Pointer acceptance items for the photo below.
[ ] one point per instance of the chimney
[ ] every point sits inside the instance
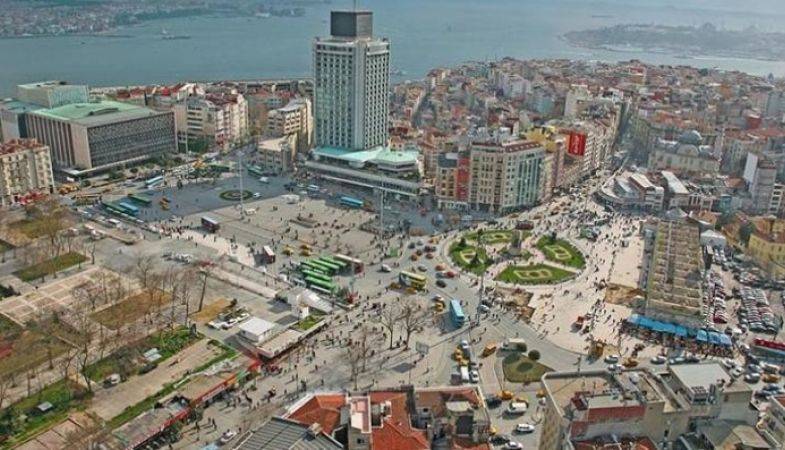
(314, 430)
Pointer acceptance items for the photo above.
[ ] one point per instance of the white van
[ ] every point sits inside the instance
(464, 374)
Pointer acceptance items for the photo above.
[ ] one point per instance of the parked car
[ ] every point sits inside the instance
(524, 428)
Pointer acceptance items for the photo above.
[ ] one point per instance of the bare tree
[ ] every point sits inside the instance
(6, 383)
(388, 318)
(88, 331)
(90, 437)
(143, 268)
(413, 317)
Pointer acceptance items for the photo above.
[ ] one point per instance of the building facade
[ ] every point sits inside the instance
(216, 120)
(352, 83)
(25, 168)
(86, 138)
(505, 175)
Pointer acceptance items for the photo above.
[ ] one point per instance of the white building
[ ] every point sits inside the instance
(352, 78)
(217, 119)
(293, 119)
(25, 167)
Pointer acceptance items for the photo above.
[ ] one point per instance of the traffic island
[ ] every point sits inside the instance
(534, 274)
(235, 195)
(519, 368)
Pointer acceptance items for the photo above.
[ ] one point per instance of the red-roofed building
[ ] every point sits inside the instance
(399, 419)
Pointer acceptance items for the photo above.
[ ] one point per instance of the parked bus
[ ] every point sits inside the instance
(456, 313)
(256, 171)
(342, 266)
(141, 199)
(129, 208)
(351, 202)
(210, 224)
(268, 256)
(311, 266)
(353, 263)
(316, 275)
(154, 182)
(326, 285)
(326, 262)
(114, 209)
(413, 280)
(324, 267)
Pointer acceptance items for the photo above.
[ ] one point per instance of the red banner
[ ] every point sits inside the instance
(577, 144)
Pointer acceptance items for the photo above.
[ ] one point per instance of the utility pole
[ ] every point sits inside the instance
(381, 220)
(240, 174)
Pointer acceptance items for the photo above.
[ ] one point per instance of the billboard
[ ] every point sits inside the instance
(577, 145)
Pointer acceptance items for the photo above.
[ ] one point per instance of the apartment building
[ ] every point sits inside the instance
(693, 406)
(672, 276)
(292, 119)
(215, 120)
(506, 175)
(25, 168)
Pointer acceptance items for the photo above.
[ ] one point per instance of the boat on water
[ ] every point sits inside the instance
(173, 37)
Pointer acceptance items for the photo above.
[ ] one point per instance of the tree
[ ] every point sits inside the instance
(534, 355)
(745, 231)
(87, 329)
(360, 350)
(413, 317)
(388, 318)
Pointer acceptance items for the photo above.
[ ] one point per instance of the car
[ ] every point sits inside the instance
(524, 428)
(257, 194)
(512, 445)
(227, 436)
(422, 268)
(493, 401)
(615, 368)
(659, 359)
(385, 268)
(500, 439)
(441, 283)
(429, 255)
(517, 408)
(505, 395)
(474, 376)
(611, 359)
(752, 378)
(465, 345)
(450, 274)
(216, 324)
(483, 309)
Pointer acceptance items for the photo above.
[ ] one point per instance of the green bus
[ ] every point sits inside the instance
(316, 275)
(313, 267)
(328, 286)
(329, 270)
(141, 199)
(328, 263)
(256, 171)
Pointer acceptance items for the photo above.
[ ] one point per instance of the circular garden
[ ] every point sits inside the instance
(235, 195)
(555, 259)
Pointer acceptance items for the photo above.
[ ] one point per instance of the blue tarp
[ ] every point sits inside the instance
(678, 330)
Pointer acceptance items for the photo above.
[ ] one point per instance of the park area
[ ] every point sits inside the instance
(561, 252)
(468, 257)
(520, 368)
(23, 349)
(130, 360)
(132, 308)
(51, 266)
(28, 417)
(534, 274)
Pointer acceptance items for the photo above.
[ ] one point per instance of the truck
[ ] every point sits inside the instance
(515, 344)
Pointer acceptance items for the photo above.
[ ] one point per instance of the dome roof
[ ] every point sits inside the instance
(691, 137)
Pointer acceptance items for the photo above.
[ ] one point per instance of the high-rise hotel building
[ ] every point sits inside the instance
(352, 82)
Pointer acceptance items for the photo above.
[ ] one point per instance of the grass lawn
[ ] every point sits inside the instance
(36, 228)
(464, 258)
(131, 309)
(309, 322)
(127, 361)
(64, 397)
(50, 267)
(562, 252)
(33, 346)
(518, 368)
(534, 274)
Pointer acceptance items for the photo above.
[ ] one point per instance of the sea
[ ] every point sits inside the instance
(424, 34)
